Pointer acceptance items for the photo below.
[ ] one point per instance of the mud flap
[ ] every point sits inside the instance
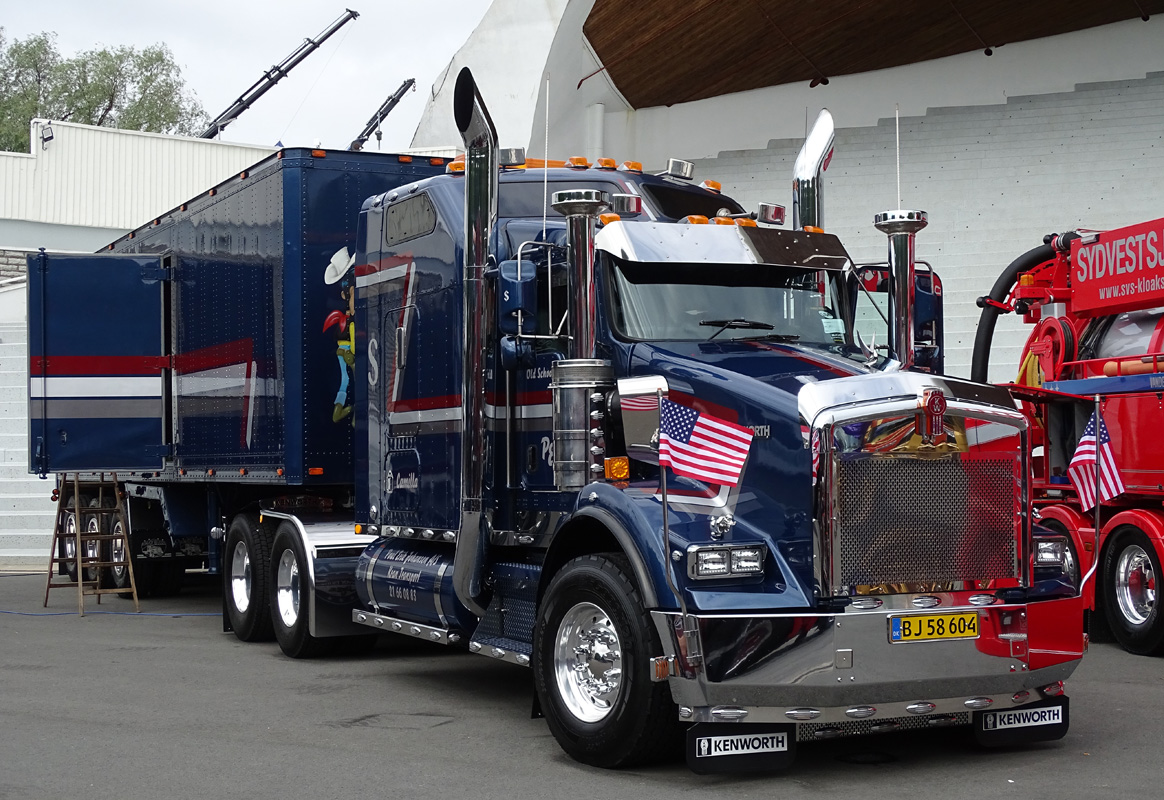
(736, 748)
(1044, 721)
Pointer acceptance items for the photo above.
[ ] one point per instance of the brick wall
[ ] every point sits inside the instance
(12, 264)
(994, 180)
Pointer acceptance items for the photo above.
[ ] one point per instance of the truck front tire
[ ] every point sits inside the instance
(592, 645)
(248, 567)
(1131, 570)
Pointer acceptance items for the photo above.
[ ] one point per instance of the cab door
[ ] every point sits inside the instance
(99, 371)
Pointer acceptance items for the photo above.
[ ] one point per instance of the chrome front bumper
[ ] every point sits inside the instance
(760, 668)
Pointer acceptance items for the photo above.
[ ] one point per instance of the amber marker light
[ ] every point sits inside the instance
(695, 219)
(711, 186)
(359, 528)
(436, 161)
(608, 218)
(577, 162)
(455, 167)
(279, 472)
(243, 175)
(606, 163)
(813, 229)
(722, 220)
(404, 159)
(744, 222)
(631, 166)
(318, 153)
(315, 471)
(617, 468)
(210, 472)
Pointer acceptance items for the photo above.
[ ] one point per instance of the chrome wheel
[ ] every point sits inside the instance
(240, 577)
(1135, 584)
(117, 553)
(287, 588)
(588, 662)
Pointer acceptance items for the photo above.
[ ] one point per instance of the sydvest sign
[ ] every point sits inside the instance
(1118, 270)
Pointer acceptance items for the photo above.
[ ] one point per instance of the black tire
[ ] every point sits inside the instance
(90, 549)
(245, 578)
(1131, 570)
(290, 586)
(593, 603)
(116, 550)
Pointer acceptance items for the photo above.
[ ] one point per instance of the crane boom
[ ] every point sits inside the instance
(273, 76)
(378, 117)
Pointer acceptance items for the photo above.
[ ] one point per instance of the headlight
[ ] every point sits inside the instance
(724, 561)
(1050, 552)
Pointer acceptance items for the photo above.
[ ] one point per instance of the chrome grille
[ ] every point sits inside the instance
(908, 520)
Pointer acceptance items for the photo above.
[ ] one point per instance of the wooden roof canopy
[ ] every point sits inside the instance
(659, 52)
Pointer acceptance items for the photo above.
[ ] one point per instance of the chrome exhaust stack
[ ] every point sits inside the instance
(901, 227)
(808, 173)
(579, 383)
(478, 312)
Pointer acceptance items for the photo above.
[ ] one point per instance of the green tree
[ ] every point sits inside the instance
(118, 87)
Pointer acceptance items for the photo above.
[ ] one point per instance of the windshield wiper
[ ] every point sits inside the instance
(724, 324)
(774, 337)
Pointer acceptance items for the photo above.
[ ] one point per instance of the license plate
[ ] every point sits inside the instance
(931, 627)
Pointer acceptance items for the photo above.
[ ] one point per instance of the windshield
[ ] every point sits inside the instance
(723, 301)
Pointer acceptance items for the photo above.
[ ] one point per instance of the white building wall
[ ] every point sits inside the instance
(994, 180)
(102, 179)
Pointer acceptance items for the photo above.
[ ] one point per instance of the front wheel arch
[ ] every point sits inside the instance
(592, 531)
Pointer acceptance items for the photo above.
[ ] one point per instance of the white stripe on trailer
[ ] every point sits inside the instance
(122, 386)
(383, 275)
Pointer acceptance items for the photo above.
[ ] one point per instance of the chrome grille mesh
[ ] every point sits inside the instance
(903, 520)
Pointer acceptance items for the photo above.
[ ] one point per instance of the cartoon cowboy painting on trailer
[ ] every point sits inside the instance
(339, 270)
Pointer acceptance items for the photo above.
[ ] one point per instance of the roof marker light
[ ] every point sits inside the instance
(577, 162)
(318, 153)
(745, 222)
(455, 167)
(436, 161)
(694, 219)
(722, 220)
(711, 186)
(606, 163)
(631, 166)
(813, 229)
(404, 159)
(608, 218)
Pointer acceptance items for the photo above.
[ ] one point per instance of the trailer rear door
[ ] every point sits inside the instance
(99, 376)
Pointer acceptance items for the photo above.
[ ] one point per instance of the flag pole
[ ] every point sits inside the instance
(666, 523)
(1098, 501)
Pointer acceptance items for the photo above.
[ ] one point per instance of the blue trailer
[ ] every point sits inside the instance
(605, 425)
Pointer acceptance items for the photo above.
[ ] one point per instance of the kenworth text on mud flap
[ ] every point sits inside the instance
(870, 566)
(1095, 300)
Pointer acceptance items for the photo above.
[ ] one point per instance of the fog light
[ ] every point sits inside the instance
(750, 560)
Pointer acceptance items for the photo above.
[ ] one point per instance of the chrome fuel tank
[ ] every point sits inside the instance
(411, 580)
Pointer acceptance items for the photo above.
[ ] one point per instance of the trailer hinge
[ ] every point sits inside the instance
(156, 272)
(160, 451)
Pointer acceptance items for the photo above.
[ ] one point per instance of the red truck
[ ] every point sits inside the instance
(1095, 300)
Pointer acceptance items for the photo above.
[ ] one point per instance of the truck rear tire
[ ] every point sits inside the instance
(289, 596)
(592, 645)
(1131, 570)
(245, 579)
(89, 548)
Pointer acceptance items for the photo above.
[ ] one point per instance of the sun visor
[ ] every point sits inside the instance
(721, 244)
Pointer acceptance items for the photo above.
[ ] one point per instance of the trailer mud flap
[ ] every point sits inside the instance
(737, 748)
(1044, 721)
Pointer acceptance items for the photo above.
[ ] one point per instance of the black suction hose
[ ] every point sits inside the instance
(1052, 243)
(983, 339)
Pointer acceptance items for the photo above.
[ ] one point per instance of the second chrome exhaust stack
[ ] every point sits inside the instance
(808, 173)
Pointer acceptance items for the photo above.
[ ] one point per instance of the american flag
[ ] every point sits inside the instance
(1082, 467)
(701, 446)
(645, 402)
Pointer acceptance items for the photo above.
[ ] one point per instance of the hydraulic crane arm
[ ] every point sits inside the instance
(273, 76)
(378, 117)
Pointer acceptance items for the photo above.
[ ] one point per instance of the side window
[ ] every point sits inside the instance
(409, 219)
(871, 309)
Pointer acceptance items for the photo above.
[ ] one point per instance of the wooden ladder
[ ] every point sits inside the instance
(109, 507)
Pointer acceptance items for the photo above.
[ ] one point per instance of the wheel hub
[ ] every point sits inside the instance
(588, 662)
(1135, 588)
(240, 578)
(287, 588)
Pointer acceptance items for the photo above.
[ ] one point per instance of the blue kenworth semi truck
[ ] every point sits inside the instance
(595, 423)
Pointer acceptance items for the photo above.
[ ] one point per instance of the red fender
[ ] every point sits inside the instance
(1150, 522)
